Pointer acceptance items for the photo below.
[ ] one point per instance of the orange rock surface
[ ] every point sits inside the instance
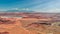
(14, 27)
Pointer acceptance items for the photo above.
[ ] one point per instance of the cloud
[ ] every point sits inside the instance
(56, 10)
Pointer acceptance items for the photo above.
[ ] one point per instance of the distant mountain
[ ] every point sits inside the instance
(18, 11)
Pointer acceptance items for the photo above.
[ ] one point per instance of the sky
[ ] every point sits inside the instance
(34, 5)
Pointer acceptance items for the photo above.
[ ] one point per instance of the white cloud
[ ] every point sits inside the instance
(56, 10)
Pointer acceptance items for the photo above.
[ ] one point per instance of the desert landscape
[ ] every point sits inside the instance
(29, 23)
(29, 16)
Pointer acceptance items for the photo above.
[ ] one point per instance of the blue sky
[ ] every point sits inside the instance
(35, 5)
